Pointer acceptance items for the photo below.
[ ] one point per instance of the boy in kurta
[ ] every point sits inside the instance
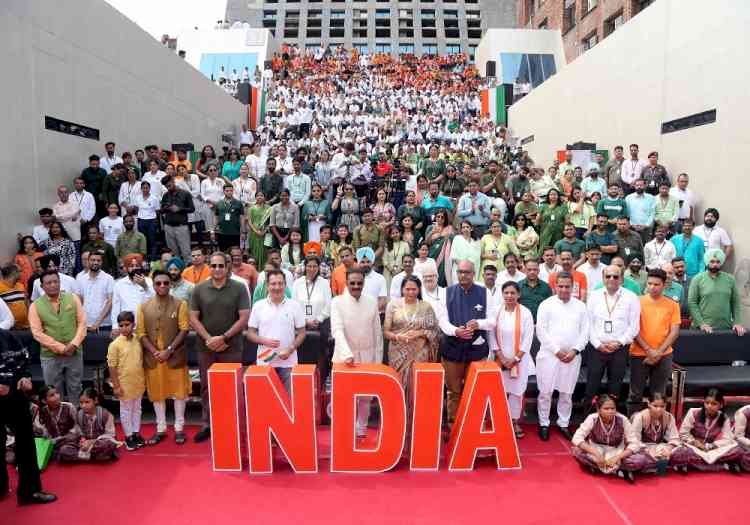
(125, 361)
(163, 325)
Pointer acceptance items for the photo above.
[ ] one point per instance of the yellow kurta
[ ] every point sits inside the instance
(126, 356)
(162, 381)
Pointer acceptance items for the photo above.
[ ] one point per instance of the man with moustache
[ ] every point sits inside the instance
(713, 298)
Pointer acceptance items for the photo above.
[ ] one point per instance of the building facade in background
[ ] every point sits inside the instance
(583, 23)
(378, 26)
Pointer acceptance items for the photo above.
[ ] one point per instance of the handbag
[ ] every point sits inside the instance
(44, 449)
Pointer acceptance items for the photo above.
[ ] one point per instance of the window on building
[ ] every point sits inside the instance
(291, 33)
(452, 33)
(474, 33)
(406, 49)
(314, 13)
(312, 45)
(590, 41)
(452, 49)
(428, 13)
(471, 1)
(429, 49)
(382, 13)
(589, 5)
(428, 22)
(613, 23)
(406, 23)
(382, 47)
(429, 33)
(337, 32)
(269, 13)
(360, 13)
(450, 13)
(361, 48)
(313, 32)
(383, 22)
(450, 22)
(406, 33)
(474, 24)
(530, 10)
(472, 52)
(405, 13)
(382, 33)
(269, 24)
(339, 13)
(360, 33)
(473, 15)
(569, 15)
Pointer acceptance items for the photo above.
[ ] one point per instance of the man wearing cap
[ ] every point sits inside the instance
(179, 288)
(713, 298)
(593, 184)
(375, 284)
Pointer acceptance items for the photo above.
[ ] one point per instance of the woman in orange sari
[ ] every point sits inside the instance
(28, 252)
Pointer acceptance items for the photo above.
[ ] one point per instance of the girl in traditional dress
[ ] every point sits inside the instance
(551, 219)
(495, 244)
(465, 248)
(412, 329)
(409, 235)
(384, 212)
(656, 431)
(605, 440)
(258, 219)
(514, 333)
(60, 244)
(348, 206)
(438, 237)
(56, 419)
(526, 238)
(343, 238)
(292, 253)
(314, 213)
(96, 437)
(422, 260)
(707, 441)
(28, 252)
(742, 435)
(395, 249)
(433, 167)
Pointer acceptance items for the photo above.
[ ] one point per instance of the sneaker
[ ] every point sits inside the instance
(139, 441)
(130, 444)
(202, 435)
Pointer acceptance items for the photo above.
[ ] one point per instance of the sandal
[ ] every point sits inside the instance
(156, 439)
(180, 438)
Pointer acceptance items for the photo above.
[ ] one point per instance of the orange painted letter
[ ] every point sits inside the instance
(224, 399)
(349, 384)
(483, 390)
(427, 416)
(270, 411)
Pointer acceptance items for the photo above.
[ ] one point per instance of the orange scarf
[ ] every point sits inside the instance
(516, 337)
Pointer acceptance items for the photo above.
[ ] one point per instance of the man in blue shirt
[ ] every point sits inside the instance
(602, 237)
(475, 207)
(642, 208)
(690, 247)
(435, 201)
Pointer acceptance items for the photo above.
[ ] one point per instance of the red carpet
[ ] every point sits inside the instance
(168, 484)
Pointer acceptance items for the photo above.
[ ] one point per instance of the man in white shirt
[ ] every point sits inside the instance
(85, 201)
(431, 292)
(40, 232)
(96, 288)
(548, 265)
(632, 169)
(614, 321)
(375, 285)
(132, 291)
(68, 214)
(713, 236)
(658, 251)
(110, 159)
(563, 332)
(407, 262)
(246, 137)
(489, 281)
(67, 283)
(357, 335)
(274, 257)
(511, 272)
(277, 326)
(592, 269)
(685, 199)
(154, 177)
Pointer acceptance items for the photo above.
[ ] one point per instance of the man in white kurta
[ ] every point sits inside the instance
(513, 355)
(358, 339)
(562, 329)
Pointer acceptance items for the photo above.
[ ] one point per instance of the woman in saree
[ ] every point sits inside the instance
(412, 329)
(433, 167)
(258, 218)
(395, 249)
(409, 235)
(438, 237)
(526, 238)
(465, 248)
(551, 219)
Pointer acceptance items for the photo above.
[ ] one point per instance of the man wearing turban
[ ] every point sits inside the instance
(375, 285)
(179, 288)
(713, 298)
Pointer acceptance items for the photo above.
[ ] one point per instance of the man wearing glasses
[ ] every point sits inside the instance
(614, 315)
(219, 311)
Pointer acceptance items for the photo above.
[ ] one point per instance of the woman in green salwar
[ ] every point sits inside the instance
(258, 217)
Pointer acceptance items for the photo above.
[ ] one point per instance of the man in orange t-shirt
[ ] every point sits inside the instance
(13, 292)
(580, 286)
(338, 275)
(199, 271)
(651, 351)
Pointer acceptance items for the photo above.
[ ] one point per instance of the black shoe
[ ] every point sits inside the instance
(180, 438)
(130, 444)
(139, 441)
(202, 435)
(735, 468)
(156, 439)
(544, 433)
(626, 475)
(38, 498)
(565, 433)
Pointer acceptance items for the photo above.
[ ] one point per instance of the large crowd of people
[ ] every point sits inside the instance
(375, 216)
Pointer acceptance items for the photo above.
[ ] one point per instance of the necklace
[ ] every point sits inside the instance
(414, 309)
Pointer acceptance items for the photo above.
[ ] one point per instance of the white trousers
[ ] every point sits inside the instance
(515, 403)
(363, 414)
(130, 416)
(564, 408)
(160, 407)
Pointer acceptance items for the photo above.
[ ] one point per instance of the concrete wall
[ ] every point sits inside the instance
(670, 61)
(84, 62)
(496, 41)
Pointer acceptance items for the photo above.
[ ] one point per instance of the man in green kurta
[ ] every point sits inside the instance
(713, 298)
(533, 289)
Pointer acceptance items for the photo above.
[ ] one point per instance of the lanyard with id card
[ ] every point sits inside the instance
(608, 325)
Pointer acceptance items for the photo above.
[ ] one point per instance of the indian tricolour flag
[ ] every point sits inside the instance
(257, 109)
(493, 104)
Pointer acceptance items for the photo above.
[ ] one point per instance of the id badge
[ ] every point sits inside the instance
(227, 217)
(627, 251)
(607, 327)
(308, 309)
(552, 217)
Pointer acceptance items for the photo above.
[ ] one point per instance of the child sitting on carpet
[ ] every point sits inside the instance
(56, 419)
(656, 431)
(125, 361)
(707, 440)
(96, 436)
(742, 435)
(605, 441)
